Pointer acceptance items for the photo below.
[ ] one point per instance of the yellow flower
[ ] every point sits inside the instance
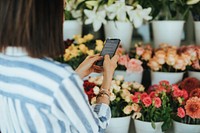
(80, 40)
(76, 37)
(88, 37)
(99, 45)
(90, 52)
(67, 55)
(83, 48)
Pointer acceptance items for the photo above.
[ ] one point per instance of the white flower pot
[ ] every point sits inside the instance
(137, 77)
(146, 127)
(121, 30)
(172, 77)
(194, 74)
(119, 125)
(185, 128)
(197, 31)
(71, 28)
(169, 32)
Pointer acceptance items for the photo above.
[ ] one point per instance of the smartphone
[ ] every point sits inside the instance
(109, 48)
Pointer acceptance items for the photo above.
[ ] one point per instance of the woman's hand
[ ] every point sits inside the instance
(109, 66)
(88, 66)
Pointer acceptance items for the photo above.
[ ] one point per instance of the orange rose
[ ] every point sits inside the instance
(153, 64)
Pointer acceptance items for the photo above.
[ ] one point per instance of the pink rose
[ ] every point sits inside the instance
(147, 101)
(157, 102)
(152, 94)
(176, 91)
(185, 94)
(196, 65)
(134, 65)
(139, 51)
(123, 60)
(143, 95)
(181, 112)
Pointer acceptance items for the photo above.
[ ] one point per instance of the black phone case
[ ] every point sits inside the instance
(108, 49)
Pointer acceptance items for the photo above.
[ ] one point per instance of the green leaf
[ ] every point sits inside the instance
(153, 125)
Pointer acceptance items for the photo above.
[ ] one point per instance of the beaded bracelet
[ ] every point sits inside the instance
(103, 93)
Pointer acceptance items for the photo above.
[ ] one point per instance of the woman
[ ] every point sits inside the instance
(38, 94)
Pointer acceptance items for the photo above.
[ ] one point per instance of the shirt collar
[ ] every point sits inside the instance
(15, 51)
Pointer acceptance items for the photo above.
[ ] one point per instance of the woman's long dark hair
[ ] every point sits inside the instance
(35, 25)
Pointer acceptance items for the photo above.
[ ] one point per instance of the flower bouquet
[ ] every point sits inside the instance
(185, 103)
(153, 106)
(121, 93)
(167, 64)
(130, 68)
(101, 11)
(79, 48)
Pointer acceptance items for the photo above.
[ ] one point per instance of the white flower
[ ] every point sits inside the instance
(96, 18)
(118, 10)
(76, 13)
(112, 97)
(127, 110)
(138, 15)
(136, 115)
(192, 2)
(96, 90)
(93, 100)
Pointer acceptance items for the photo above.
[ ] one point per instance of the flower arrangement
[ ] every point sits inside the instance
(153, 106)
(121, 93)
(194, 8)
(74, 9)
(167, 59)
(192, 54)
(186, 104)
(142, 52)
(125, 62)
(79, 48)
(101, 11)
(167, 9)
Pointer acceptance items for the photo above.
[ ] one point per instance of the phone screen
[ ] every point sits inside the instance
(109, 48)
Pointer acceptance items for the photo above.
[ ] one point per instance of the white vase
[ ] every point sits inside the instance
(185, 128)
(119, 125)
(137, 77)
(172, 77)
(197, 32)
(169, 32)
(194, 74)
(71, 28)
(121, 30)
(146, 127)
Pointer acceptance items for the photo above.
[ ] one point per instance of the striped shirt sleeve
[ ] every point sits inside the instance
(71, 103)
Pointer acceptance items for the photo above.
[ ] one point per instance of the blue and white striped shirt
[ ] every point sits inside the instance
(44, 96)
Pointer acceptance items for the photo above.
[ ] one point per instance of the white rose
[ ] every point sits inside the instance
(128, 109)
(112, 97)
(136, 115)
(96, 90)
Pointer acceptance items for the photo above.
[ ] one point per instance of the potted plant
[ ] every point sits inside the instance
(185, 102)
(73, 18)
(121, 104)
(131, 64)
(152, 109)
(118, 17)
(168, 20)
(78, 48)
(167, 64)
(192, 54)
